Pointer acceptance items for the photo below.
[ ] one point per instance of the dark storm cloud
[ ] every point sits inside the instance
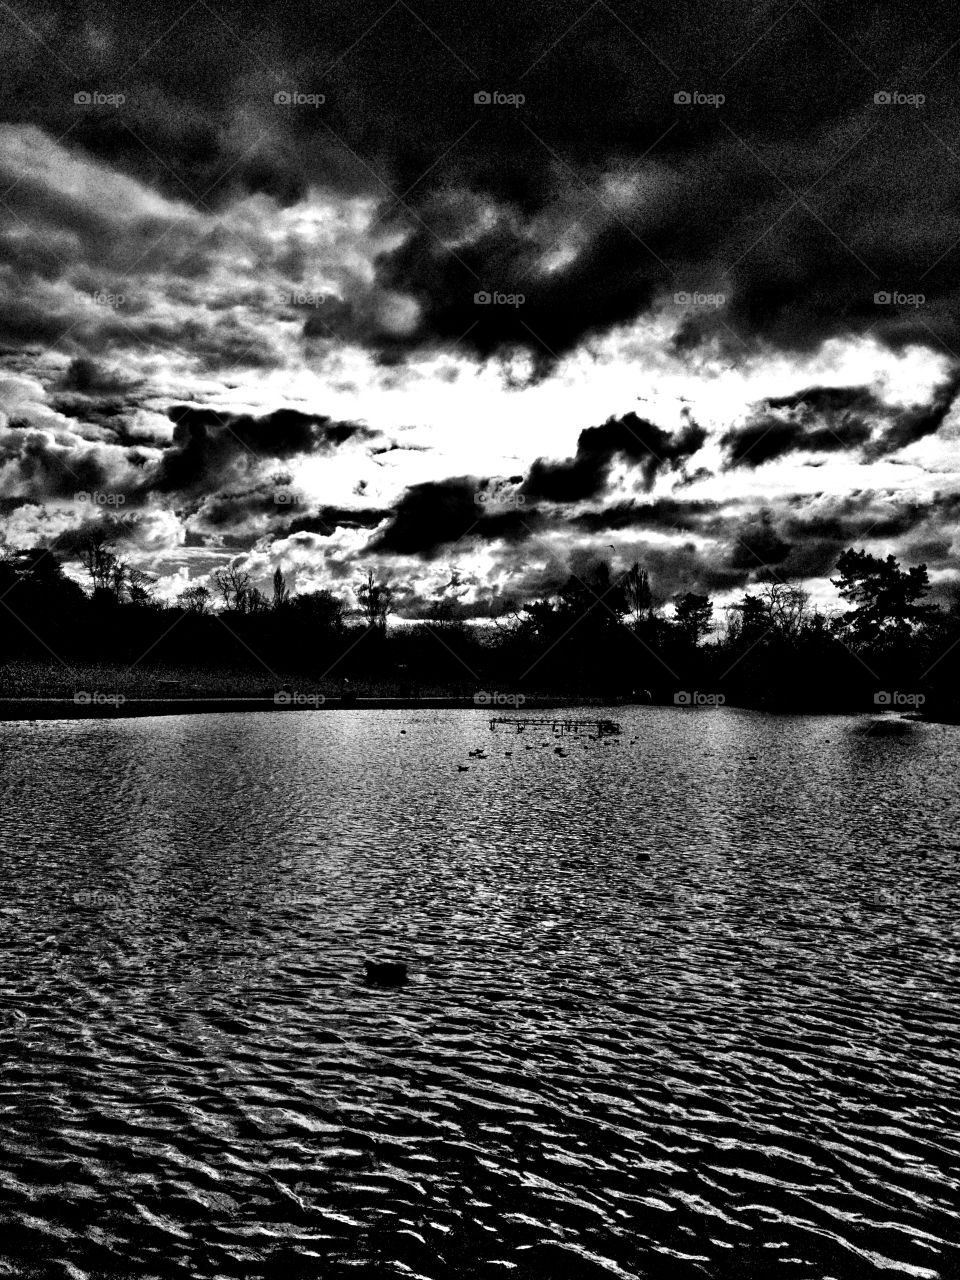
(38, 468)
(819, 528)
(635, 440)
(540, 568)
(93, 376)
(209, 446)
(90, 391)
(817, 420)
(226, 511)
(756, 544)
(595, 199)
(835, 420)
(557, 311)
(437, 514)
(868, 514)
(663, 514)
(768, 437)
(909, 425)
(325, 520)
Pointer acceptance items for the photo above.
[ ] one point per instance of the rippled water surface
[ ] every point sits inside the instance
(682, 1004)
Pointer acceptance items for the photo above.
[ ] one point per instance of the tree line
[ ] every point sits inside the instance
(601, 634)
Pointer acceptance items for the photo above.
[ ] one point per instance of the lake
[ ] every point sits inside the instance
(684, 1002)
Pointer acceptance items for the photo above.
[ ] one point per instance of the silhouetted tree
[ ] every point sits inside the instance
(786, 605)
(594, 594)
(101, 562)
(321, 608)
(375, 600)
(195, 599)
(138, 585)
(281, 595)
(749, 620)
(692, 616)
(887, 600)
(638, 597)
(234, 587)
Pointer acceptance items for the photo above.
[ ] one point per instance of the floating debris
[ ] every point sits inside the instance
(386, 973)
(597, 728)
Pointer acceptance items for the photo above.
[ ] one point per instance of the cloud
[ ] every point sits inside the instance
(435, 515)
(666, 514)
(835, 420)
(325, 519)
(756, 544)
(210, 448)
(202, 245)
(799, 198)
(633, 439)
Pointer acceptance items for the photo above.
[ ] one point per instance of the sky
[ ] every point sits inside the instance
(475, 296)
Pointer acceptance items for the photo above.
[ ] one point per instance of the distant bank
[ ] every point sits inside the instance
(115, 708)
(26, 709)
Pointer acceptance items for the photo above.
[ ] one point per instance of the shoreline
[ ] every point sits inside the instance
(12, 709)
(30, 709)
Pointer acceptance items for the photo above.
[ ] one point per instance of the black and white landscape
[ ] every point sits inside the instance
(479, 640)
